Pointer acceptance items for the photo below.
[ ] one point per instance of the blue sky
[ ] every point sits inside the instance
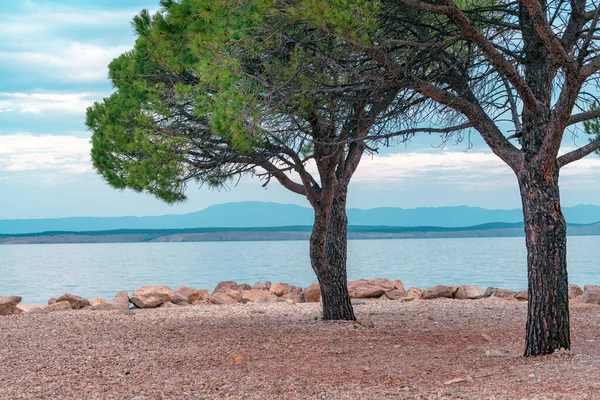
(53, 64)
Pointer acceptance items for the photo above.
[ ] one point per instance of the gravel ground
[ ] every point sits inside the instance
(416, 350)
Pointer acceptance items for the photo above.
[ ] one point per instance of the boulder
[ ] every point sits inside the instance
(395, 294)
(120, 301)
(221, 298)
(454, 289)
(182, 294)
(436, 292)
(8, 305)
(413, 293)
(76, 302)
(199, 296)
(574, 291)
(151, 296)
(255, 295)
(362, 289)
(467, 292)
(279, 289)
(168, 304)
(234, 294)
(107, 307)
(266, 285)
(383, 283)
(51, 300)
(497, 292)
(96, 302)
(399, 285)
(312, 294)
(523, 295)
(233, 285)
(591, 294)
(294, 297)
(58, 306)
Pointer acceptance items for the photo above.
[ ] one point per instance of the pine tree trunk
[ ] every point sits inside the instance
(546, 239)
(328, 253)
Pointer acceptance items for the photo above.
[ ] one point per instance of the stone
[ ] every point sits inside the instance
(398, 285)
(76, 302)
(96, 302)
(495, 353)
(8, 305)
(454, 289)
(294, 297)
(497, 292)
(366, 323)
(574, 291)
(106, 307)
(120, 301)
(414, 293)
(468, 292)
(523, 295)
(199, 296)
(266, 285)
(256, 295)
(220, 298)
(436, 292)
(51, 300)
(151, 296)
(591, 294)
(312, 294)
(233, 285)
(383, 283)
(279, 289)
(168, 304)
(182, 294)
(395, 294)
(58, 306)
(234, 294)
(37, 310)
(362, 289)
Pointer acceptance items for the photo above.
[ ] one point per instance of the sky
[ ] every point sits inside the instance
(53, 64)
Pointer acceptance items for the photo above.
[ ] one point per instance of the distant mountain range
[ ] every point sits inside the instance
(268, 215)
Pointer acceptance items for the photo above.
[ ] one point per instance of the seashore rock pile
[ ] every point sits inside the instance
(230, 292)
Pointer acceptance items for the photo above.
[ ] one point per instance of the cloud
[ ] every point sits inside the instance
(70, 61)
(59, 154)
(75, 103)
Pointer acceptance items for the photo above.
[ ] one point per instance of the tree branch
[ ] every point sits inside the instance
(584, 116)
(579, 153)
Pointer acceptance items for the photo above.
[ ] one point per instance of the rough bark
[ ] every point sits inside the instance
(546, 238)
(328, 254)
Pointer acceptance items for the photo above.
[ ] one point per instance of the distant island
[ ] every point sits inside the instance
(261, 215)
(279, 233)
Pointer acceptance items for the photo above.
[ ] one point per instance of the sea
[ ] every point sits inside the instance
(39, 272)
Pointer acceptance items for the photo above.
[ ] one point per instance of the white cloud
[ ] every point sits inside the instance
(75, 103)
(59, 154)
(70, 61)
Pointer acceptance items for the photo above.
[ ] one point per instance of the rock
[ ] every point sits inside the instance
(591, 294)
(294, 297)
(279, 289)
(168, 304)
(362, 289)
(574, 291)
(383, 283)
(234, 294)
(495, 353)
(458, 380)
(120, 301)
(58, 306)
(366, 323)
(497, 292)
(231, 285)
(454, 289)
(523, 295)
(221, 298)
(76, 302)
(414, 293)
(8, 305)
(395, 294)
(96, 302)
(151, 296)
(467, 292)
(312, 294)
(399, 285)
(257, 294)
(199, 296)
(182, 294)
(266, 285)
(437, 292)
(37, 310)
(51, 301)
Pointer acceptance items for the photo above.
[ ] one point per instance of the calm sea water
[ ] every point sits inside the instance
(38, 272)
